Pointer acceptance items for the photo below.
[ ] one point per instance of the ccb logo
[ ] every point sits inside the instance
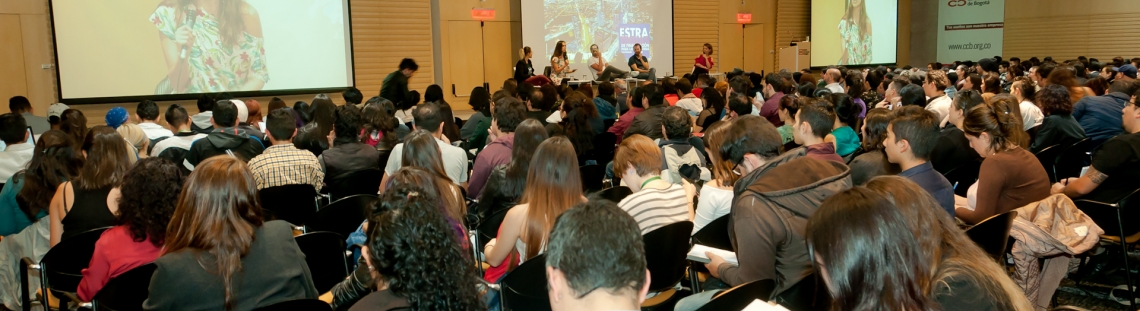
(954, 3)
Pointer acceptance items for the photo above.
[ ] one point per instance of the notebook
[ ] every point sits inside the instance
(760, 305)
(698, 254)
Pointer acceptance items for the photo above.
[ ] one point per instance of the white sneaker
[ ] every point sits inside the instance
(1122, 297)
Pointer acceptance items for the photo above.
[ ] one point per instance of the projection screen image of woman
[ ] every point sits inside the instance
(210, 46)
(855, 31)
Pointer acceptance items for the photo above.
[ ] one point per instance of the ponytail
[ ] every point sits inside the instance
(1000, 122)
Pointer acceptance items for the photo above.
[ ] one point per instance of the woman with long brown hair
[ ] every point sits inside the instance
(74, 124)
(87, 196)
(855, 33)
(1065, 76)
(887, 246)
(716, 195)
(1010, 176)
(421, 151)
(560, 64)
(553, 185)
(220, 254)
(210, 46)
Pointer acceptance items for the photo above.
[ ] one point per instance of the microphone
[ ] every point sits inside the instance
(193, 19)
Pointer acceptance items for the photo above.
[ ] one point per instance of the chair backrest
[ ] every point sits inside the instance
(299, 304)
(963, 176)
(546, 71)
(737, 298)
(1072, 159)
(292, 203)
(342, 216)
(809, 293)
(592, 176)
(715, 234)
(992, 234)
(524, 288)
(62, 266)
(665, 254)
(325, 255)
(1048, 157)
(127, 291)
(615, 194)
(605, 144)
(358, 182)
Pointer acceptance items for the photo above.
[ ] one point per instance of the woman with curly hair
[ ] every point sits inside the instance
(413, 258)
(1059, 127)
(146, 201)
(580, 122)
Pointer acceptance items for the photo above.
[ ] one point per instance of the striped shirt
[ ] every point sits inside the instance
(284, 164)
(655, 208)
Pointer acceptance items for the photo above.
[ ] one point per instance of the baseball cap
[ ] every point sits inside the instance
(55, 111)
(1127, 70)
(116, 117)
(243, 111)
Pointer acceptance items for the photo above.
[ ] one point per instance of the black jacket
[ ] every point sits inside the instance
(494, 202)
(223, 141)
(1057, 129)
(394, 87)
(647, 123)
(523, 69)
(342, 160)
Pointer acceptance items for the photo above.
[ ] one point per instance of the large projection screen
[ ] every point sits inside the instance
(853, 32)
(170, 49)
(614, 25)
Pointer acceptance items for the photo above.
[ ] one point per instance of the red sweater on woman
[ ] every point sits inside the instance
(115, 253)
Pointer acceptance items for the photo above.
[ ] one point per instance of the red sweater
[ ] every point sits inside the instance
(115, 253)
(624, 122)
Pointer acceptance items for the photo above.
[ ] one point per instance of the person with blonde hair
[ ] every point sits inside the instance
(136, 140)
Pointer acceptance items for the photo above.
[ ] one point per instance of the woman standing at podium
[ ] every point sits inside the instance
(855, 31)
(703, 64)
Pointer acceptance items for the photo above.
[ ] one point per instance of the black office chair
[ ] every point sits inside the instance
(739, 297)
(325, 256)
(1124, 233)
(61, 268)
(343, 216)
(358, 182)
(666, 249)
(592, 176)
(125, 292)
(1070, 162)
(605, 144)
(293, 203)
(810, 293)
(1048, 157)
(524, 288)
(299, 304)
(715, 235)
(992, 234)
(615, 194)
(963, 176)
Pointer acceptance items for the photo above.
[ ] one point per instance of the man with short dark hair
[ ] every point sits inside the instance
(428, 117)
(536, 106)
(395, 85)
(773, 91)
(813, 123)
(1098, 114)
(891, 97)
(637, 104)
(740, 85)
(353, 97)
(912, 94)
(773, 199)
(21, 106)
(226, 139)
(648, 122)
(582, 239)
(605, 102)
(688, 100)
(346, 154)
(910, 140)
(988, 66)
(201, 122)
(146, 114)
(739, 105)
(18, 152)
(639, 65)
(283, 164)
(174, 148)
(679, 150)
(503, 122)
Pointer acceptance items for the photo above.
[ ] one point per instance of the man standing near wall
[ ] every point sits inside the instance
(395, 85)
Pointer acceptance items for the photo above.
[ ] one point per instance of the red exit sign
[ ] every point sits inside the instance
(482, 14)
(743, 18)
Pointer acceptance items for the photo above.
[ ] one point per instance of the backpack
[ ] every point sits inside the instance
(676, 156)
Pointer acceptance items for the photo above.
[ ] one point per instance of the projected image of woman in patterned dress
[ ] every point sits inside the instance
(855, 31)
(210, 46)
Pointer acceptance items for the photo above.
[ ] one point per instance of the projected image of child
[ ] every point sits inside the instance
(210, 46)
(855, 31)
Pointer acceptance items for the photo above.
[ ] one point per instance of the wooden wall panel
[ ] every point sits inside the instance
(385, 32)
(38, 52)
(695, 23)
(793, 23)
(12, 58)
(1060, 29)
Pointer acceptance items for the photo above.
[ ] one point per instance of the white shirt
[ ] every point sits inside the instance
(554, 118)
(154, 131)
(454, 161)
(940, 106)
(1031, 114)
(405, 116)
(692, 104)
(15, 158)
(595, 60)
(715, 203)
(180, 142)
(835, 88)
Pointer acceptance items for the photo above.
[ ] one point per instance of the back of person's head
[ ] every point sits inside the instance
(479, 99)
(217, 214)
(352, 96)
(54, 160)
(845, 108)
(1003, 128)
(304, 110)
(712, 99)
(988, 64)
(281, 124)
(176, 116)
(740, 85)
(739, 104)
(547, 100)
(348, 124)
(411, 99)
(149, 196)
(134, 135)
(606, 89)
(912, 95)
(966, 100)
(72, 122)
(511, 86)
(440, 189)
(855, 83)
(1098, 85)
(1054, 99)
(528, 135)
(639, 153)
(722, 87)
(13, 128)
(898, 83)
(509, 113)
(1126, 87)
(714, 139)
(253, 112)
(428, 117)
(820, 119)
(806, 89)
(654, 93)
(106, 159)
(875, 126)
(206, 103)
(324, 113)
(225, 113)
(147, 110)
(1063, 75)
(751, 135)
(919, 129)
(669, 87)
(755, 79)
(775, 81)
(422, 151)
(790, 104)
(412, 249)
(677, 122)
(939, 79)
(1025, 86)
(684, 86)
(276, 103)
(703, 79)
(434, 93)
(553, 186)
(1044, 70)
(409, 63)
(19, 104)
(596, 247)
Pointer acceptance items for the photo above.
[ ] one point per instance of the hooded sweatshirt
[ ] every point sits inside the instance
(221, 142)
(769, 217)
(200, 123)
(496, 153)
(606, 108)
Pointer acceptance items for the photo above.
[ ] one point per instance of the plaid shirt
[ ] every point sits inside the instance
(283, 165)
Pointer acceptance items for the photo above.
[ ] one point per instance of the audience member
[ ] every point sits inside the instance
(621, 93)
(303, 112)
(789, 106)
(846, 116)
(912, 95)
(1059, 127)
(670, 90)
(832, 78)
(497, 153)
(742, 86)
(145, 202)
(324, 115)
(395, 85)
(55, 111)
(1099, 85)
(283, 164)
(891, 97)
(1064, 76)
(249, 117)
(224, 139)
(773, 91)
(21, 106)
(861, 233)
(116, 116)
(689, 100)
(434, 94)
(682, 153)
(872, 160)
(347, 155)
(578, 110)
(713, 108)
(135, 140)
(953, 150)
(540, 103)
(352, 97)
(854, 86)
(202, 123)
(935, 90)
(86, 196)
(738, 105)
(174, 148)
(1010, 176)
(454, 159)
(909, 141)
(1097, 114)
(813, 123)
(655, 202)
(716, 194)
(581, 237)
(506, 183)
(480, 102)
(147, 115)
(648, 122)
(250, 263)
(606, 103)
(1025, 92)
(405, 107)
(18, 151)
